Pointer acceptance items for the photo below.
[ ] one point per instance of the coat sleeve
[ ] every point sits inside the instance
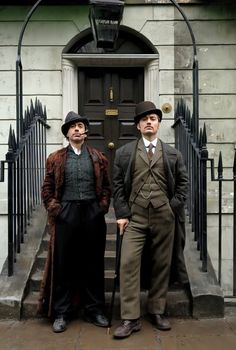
(181, 185)
(48, 189)
(121, 205)
(103, 182)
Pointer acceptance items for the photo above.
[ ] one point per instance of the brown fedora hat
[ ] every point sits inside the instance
(146, 107)
(70, 119)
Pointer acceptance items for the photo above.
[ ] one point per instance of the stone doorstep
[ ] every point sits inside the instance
(207, 295)
(12, 289)
(178, 304)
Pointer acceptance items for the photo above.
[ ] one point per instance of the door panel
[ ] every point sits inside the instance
(108, 96)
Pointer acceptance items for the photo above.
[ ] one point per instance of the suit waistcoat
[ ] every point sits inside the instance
(79, 181)
(149, 185)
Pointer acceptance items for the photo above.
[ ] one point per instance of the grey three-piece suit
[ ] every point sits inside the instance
(152, 195)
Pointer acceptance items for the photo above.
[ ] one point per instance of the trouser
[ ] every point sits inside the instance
(158, 224)
(79, 257)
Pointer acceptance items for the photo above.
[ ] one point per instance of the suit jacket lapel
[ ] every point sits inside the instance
(157, 154)
(142, 151)
(130, 167)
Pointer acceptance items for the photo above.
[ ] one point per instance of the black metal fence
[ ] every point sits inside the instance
(25, 164)
(199, 165)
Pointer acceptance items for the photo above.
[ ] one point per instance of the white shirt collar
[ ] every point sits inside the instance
(76, 150)
(147, 143)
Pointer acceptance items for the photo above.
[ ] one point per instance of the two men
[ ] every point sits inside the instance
(150, 187)
(76, 193)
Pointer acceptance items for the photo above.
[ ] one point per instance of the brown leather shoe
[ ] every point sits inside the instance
(127, 327)
(160, 322)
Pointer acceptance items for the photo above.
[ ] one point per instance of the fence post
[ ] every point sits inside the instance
(10, 157)
(203, 198)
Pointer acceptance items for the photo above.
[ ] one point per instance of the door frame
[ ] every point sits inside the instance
(71, 63)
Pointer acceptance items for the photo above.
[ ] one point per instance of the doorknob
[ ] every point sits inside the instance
(111, 145)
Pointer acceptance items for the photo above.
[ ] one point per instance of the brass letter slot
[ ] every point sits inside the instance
(111, 112)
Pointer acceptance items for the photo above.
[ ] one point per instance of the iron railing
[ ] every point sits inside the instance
(25, 164)
(195, 153)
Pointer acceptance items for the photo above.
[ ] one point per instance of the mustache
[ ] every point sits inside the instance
(82, 133)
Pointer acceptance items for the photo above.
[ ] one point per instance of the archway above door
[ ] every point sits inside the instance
(133, 50)
(129, 42)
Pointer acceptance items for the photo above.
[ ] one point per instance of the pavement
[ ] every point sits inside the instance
(186, 334)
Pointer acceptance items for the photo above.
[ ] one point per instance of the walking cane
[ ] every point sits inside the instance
(118, 253)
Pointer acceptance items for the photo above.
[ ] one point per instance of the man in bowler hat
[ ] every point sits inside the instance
(150, 188)
(76, 193)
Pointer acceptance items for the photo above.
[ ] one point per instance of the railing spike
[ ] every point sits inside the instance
(176, 114)
(220, 166)
(14, 140)
(204, 135)
(188, 120)
(200, 142)
(27, 117)
(37, 106)
(31, 104)
(10, 140)
(185, 112)
(31, 113)
(45, 113)
(182, 106)
(40, 111)
(191, 126)
(23, 126)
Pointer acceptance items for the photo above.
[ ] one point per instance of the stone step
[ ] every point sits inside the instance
(178, 304)
(111, 223)
(37, 275)
(178, 300)
(44, 243)
(110, 259)
(109, 280)
(35, 280)
(40, 260)
(111, 242)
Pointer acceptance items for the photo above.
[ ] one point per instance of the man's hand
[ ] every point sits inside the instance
(122, 224)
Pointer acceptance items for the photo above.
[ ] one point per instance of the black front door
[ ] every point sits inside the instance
(108, 96)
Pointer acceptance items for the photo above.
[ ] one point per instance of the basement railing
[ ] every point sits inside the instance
(195, 153)
(24, 165)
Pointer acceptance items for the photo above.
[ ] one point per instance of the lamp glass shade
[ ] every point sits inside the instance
(105, 18)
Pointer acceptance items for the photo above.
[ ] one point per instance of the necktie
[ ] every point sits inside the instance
(150, 152)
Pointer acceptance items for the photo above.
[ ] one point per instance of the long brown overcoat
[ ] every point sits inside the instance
(51, 195)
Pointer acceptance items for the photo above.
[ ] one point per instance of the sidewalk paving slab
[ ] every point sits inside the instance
(186, 334)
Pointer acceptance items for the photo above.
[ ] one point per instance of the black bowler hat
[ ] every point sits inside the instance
(146, 107)
(71, 118)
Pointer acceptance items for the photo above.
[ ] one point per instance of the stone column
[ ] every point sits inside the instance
(151, 82)
(69, 87)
